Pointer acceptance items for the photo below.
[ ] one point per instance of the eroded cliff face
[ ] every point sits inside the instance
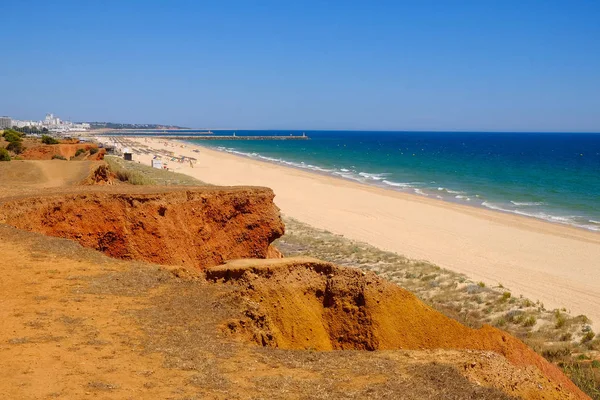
(199, 227)
(303, 303)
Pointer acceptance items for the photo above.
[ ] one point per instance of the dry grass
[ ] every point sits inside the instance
(126, 174)
(586, 377)
(139, 174)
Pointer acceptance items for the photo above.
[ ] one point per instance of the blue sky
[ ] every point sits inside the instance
(421, 65)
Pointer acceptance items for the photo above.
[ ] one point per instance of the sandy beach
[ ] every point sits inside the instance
(557, 265)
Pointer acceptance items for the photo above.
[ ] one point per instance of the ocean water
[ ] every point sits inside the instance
(550, 176)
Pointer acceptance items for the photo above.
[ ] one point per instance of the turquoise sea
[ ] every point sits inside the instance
(550, 176)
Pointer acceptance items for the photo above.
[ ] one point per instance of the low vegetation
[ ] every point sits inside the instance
(139, 174)
(12, 136)
(127, 175)
(30, 130)
(49, 140)
(585, 376)
(58, 157)
(4, 155)
(16, 147)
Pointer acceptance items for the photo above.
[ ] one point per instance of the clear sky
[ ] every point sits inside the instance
(421, 65)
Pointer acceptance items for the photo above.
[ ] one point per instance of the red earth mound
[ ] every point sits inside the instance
(309, 304)
(198, 227)
(47, 151)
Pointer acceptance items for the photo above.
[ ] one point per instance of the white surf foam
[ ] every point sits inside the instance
(528, 203)
(379, 178)
(396, 184)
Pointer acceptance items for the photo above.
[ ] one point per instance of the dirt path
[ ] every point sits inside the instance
(61, 173)
(26, 177)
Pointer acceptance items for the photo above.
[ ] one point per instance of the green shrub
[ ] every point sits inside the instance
(58, 157)
(11, 136)
(18, 131)
(4, 156)
(79, 152)
(554, 353)
(94, 150)
(596, 364)
(589, 335)
(49, 140)
(584, 377)
(561, 320)
(530, 321)
(15, 147)
(12, 132)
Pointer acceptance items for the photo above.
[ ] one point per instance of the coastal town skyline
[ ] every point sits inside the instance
(55, 124)
(51, 122)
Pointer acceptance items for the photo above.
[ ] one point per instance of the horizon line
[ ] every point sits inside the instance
(376, 130)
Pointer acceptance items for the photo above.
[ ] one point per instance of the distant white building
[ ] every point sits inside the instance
(5, 122)
(54, 123)
(23, 124)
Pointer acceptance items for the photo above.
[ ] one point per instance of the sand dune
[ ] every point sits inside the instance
(558, 265)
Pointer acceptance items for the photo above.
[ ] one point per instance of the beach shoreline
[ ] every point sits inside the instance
(416, 193)
(556, 264)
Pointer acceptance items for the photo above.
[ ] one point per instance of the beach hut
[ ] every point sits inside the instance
(157, 164)
(127, 154)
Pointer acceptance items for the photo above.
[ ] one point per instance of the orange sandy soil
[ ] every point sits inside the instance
(78, 324)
